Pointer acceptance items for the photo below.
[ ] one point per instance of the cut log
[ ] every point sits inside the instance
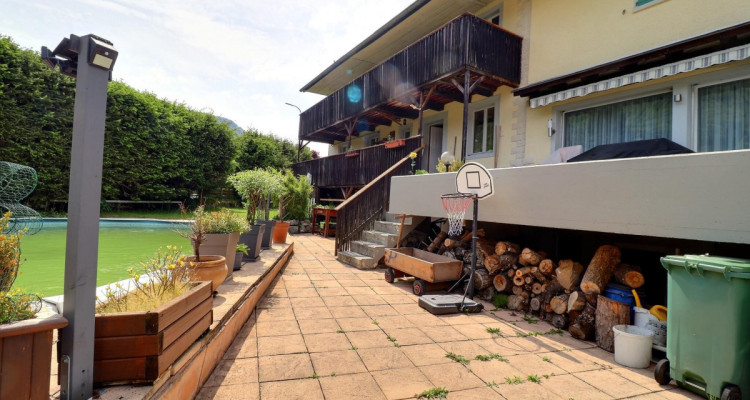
(560, 321)
(523, 271)
(540, 277)
(487, 293)
(559, 303)
(537, 288)
(482, 279)
(529, 257)
(547, 267)
(506, 247)
(552, 289)
(525, 294)
(600, 269)
(492, 263)
(511, 273)
(528, 279)
(573, 315)
(608, 314)
(518, 280)
(502, 283)
(517, 303)
(576, 301)
(450, 254)
(517, 290)
(480, 258)
(629, 275)
(535, 304)
(485, 247)
(507, 260)
(569, 273)
(439, 239)
(583, 327)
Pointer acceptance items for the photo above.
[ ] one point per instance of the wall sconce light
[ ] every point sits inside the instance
(550, 128)
(677, 98)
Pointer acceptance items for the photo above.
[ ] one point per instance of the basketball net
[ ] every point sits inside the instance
(455, 205)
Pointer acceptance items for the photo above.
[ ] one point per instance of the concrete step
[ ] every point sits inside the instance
(370, 249)
(392, 217)
(386, 239)
(357, 260)
(390, 227)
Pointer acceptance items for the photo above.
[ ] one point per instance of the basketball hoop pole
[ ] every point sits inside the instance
(470, 291)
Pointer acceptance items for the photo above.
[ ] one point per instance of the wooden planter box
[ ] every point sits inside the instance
(393, 144)
(140, 346)
(26, 357)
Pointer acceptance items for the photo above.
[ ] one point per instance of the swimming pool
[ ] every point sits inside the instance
(122, 244)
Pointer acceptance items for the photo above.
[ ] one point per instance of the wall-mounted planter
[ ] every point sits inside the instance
(25, 357)
(395, 144)
(138, 347)
(352, 154)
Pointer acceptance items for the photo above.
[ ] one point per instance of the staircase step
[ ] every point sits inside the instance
(357, 260)
(374, 250)
(386, 239)
(390, 227)
(391, 217)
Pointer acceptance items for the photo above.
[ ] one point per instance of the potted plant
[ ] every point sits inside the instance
(143, 326)
(294, 204)
(223, 229)
(242, 251)
(257, 188)
(205, 267)
(25, 335)
(395, 143)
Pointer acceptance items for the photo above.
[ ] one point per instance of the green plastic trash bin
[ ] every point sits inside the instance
(708, 326)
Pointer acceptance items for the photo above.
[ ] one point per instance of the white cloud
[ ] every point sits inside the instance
(242, 59)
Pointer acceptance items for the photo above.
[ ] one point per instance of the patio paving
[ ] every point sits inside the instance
(325, 330)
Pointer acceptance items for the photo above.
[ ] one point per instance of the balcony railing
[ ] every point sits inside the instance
(467, 42)
(342, 171)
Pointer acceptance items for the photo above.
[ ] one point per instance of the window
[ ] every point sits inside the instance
(724, 116)
(483, 129)
(495, 16)
(638, 119)
(369, 139)
(405, 132)
(342, 147)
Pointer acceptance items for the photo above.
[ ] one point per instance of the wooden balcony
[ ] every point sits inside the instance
(386, 92)
(345, 171)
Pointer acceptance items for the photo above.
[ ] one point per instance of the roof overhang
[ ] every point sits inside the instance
(411, 24)
(703, 51)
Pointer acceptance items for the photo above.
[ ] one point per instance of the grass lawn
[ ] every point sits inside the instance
(159, 214)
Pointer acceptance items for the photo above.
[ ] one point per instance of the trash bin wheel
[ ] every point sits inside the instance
(731, 392)
(661, 372)
(418, 287)
(390, 275)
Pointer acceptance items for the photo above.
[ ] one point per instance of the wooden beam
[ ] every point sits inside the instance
(399, 112)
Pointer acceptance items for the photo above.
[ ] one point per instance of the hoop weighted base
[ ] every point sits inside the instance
(439, 304)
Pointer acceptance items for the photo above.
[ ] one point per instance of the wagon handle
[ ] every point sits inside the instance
(400, 229)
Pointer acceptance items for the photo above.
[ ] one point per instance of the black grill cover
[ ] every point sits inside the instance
(640, 148)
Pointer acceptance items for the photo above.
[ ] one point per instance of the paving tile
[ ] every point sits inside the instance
(395, 289)
(298, 284)
(289, 344)
(301, 389)
(371, 299)
(643, 377)
(505, 328)
(289, 366)
(368, 339)
(452, 376)
(384, 358)
(531, 364)
(337, 362)
(474, 394)
(467, 349)
(278, 328)
(243, 348)
(572, 361)
(347, 312)
(321, 342)
(274, 302)
(393, 299)
(493, 371)
(247, 391)
(357, 324)
(275, 314)
(351, 282)
(303, 292)
(474, 331)
(233, 372)
(353, 386)
(528, 391)
(456, 319)
(401, 383)
(305, 302)
(394, 322)
(426, 354)
(443, 333)
(308, 326)
(612, 384)
(425, 319)
(500, 345)
(338, 301)
(408, 336)
(568, 386)
(360, 290)
(382, 310)
(312, 313)
(405, 309)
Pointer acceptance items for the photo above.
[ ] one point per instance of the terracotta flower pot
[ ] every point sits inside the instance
(280, 231)
(395, 144)
(209, 268)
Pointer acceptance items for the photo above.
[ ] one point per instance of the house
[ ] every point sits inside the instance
(544, 75)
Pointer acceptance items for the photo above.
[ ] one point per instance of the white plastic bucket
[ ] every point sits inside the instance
(642, 316)
(633, 346)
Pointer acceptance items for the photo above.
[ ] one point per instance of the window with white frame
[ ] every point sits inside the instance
(723, 116)
(342, 147)
(482, 127)
(405, 132)
(642, 118)
(495, 16)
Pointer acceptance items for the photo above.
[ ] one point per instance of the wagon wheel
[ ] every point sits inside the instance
(390, 275)
(661, 372)
(419, 287)
(731, 392)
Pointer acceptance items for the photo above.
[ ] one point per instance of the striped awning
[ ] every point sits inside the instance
(708, 60)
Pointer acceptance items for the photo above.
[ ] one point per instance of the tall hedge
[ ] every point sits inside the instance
(154, 149)
(256, 150)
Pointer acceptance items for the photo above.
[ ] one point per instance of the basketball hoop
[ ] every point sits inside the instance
(455, 205)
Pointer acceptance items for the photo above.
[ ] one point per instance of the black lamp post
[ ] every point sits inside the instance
(89, 59)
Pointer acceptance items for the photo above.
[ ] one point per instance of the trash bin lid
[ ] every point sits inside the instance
(729, 267)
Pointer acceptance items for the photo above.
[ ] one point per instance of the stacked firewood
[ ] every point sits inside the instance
(564, 293)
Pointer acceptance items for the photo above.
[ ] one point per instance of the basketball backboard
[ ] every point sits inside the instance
(474, 178)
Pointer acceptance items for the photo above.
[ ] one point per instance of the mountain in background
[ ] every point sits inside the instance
(231, 124)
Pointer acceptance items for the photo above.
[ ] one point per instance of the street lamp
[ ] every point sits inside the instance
(90, 60)
(299, 142)
(447, 159)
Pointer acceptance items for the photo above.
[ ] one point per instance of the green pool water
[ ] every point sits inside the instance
(122, 244)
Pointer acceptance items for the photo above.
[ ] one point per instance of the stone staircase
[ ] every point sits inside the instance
(368, 252)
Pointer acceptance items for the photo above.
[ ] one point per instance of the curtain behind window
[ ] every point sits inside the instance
(724, 116)
(638, 119)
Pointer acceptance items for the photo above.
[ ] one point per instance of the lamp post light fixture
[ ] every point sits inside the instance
(89, 59)
(299, 141)
(447, 159)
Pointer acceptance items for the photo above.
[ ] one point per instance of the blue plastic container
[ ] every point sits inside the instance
(622, 294)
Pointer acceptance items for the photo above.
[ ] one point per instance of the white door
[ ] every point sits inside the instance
(435, 148)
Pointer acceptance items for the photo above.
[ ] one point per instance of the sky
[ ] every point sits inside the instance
(240, 59)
